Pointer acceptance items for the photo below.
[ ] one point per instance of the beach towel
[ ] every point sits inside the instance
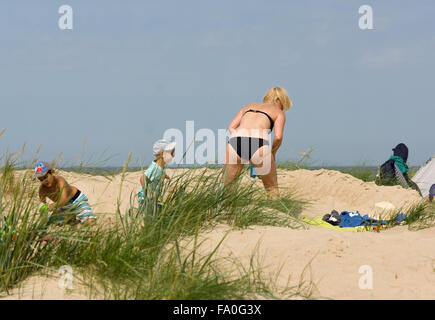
(350, 219)
(323, 224)
(398, 161)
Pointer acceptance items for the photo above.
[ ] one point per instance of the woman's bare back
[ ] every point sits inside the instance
(253, 122)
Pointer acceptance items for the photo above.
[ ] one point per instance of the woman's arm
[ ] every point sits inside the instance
(279, 130)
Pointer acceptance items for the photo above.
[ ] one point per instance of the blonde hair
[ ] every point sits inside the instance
(278, 93)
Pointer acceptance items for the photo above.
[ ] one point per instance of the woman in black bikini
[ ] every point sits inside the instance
(250, 135)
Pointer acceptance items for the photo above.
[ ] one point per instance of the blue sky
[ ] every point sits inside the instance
(129, 70)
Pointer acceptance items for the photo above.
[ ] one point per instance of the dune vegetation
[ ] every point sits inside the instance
(152, 251)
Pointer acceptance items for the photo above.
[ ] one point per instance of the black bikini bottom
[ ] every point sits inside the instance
(247, 146)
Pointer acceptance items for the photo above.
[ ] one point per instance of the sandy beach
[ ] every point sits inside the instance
(402, 262)
(332, 96)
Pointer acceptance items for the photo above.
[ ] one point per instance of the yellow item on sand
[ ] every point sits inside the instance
(323, 224)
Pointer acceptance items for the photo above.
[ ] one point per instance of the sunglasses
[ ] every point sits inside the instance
(44, 177)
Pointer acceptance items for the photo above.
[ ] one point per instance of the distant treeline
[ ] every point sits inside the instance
(366, 173)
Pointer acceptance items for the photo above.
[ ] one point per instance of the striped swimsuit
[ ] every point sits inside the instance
(79, 205)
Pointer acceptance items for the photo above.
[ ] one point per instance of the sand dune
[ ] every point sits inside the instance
(402, 261)
(328, 189)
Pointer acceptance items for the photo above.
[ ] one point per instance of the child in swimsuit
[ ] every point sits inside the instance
(153, 177)
(67, 199)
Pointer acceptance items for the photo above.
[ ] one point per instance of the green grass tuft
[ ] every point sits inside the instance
(141, 256)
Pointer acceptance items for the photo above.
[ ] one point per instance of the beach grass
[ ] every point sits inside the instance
(155, 251)
(363, 173)
(152, 251)
(421, 216)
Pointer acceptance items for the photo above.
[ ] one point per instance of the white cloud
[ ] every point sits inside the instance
(384, 57)
(210, 41)
(323, 35)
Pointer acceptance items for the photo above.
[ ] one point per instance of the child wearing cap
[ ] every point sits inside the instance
(66, 199)
(153, 177)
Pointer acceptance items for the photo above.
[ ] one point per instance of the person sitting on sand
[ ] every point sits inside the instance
(66, 199)
(153, 177)
(395, 170)
(249, 139)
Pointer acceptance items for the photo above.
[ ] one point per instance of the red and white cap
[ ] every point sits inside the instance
(42, 168)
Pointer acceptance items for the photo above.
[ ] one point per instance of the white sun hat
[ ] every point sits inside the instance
(163, 145)
(384, 210)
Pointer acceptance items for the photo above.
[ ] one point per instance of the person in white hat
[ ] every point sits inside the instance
(155, 174)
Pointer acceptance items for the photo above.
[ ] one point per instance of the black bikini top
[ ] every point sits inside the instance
(258, 111)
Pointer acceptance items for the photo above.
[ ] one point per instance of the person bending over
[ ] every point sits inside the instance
(249, 139)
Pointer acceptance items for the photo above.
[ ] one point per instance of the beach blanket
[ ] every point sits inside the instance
(350, 219)
(323, 224)
(353, 222)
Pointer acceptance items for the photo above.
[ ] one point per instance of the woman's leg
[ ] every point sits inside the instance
(265, 166)
(233, 165)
